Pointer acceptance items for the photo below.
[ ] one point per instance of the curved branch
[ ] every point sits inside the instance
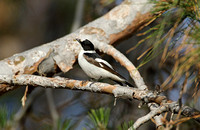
(118, 56)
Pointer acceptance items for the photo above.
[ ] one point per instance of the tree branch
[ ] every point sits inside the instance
(118, 91)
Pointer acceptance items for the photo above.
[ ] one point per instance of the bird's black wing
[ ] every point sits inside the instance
(91, 58)
(92, 55)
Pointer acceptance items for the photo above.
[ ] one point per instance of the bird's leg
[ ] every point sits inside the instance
(93, 81)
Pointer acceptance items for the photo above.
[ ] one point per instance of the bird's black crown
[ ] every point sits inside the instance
(86, 44)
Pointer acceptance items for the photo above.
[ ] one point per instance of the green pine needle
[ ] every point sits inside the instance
(99, 118)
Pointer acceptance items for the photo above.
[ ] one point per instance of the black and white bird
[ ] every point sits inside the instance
(95, 67)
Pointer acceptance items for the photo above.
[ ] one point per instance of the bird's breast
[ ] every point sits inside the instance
(90, 69)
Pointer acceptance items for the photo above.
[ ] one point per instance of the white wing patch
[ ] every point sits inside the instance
(100, 64)
(103, 61)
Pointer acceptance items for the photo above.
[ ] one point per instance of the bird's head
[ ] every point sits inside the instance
(86, 44)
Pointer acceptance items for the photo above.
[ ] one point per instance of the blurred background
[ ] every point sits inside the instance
(25, 24)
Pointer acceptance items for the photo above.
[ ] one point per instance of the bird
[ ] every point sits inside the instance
(95, 67)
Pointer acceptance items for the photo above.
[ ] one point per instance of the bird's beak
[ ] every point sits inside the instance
(78, 40)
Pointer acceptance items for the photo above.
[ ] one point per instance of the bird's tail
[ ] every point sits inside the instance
(125, 82)
(129, 84)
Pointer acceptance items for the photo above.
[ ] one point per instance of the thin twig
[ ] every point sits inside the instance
(150, 115)
(18, 118)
